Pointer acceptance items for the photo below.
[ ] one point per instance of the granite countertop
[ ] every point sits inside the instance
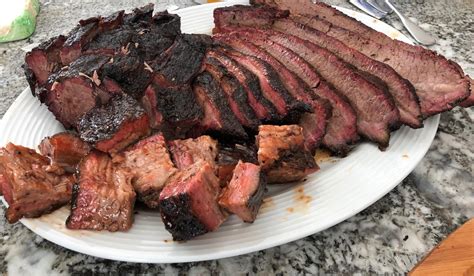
(390, 236)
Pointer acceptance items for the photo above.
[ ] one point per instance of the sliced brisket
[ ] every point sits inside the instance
(150, 165)
(341, 131)
(273, 89)
(244, 194)
(74, 90)
(42, 61)
(282, 154)
(218, 118)
(245, 15)
(180, 63)
(172, 109)
(235, 93)
(112, 127)
(315, 122)
(376, 112)
(439, 83)
(30, 185)
(188, 203)
(103, 198)
(401, 90)
(263, 108)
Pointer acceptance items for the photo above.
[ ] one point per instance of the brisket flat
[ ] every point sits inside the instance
(262, 107)
(401, 90)
(439, 83)
(376, 112)
(314, 123)
(341, 131)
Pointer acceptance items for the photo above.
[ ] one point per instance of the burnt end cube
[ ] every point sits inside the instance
(31, 186)
(244, 194)
(64, 149)
(188, 203)
(189, 151)
(228, 157)
(114, 126)
(150, 165)
(282, 153)
(103, 198)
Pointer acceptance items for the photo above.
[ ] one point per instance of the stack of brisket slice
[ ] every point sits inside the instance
(374, 84)
(274, 83)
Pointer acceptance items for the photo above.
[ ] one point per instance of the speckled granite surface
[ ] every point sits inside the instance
(391, 236)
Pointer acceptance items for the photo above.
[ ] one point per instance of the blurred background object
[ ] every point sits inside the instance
(17, 19)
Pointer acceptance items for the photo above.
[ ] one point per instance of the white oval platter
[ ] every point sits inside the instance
(341, 189)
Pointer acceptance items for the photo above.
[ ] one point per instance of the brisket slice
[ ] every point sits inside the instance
(64, 149)
(282, 154)
(43, 60)
(173, 109)
(150, 165)
(103, 198)
(243, 195)
(339, 19)
(218, 118)
(401, 90)
(287, 106)
(439, 83)
(112, 127)
(85, 32)
(180, 63)
(341, 131)
(129, 71)
(74, 90)
(188, 203)
(30, 185)
(235, 93)
(376, 112)
(247, 15)
(189, 151)
(262, 107)
(228, 157)
(314, 123)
